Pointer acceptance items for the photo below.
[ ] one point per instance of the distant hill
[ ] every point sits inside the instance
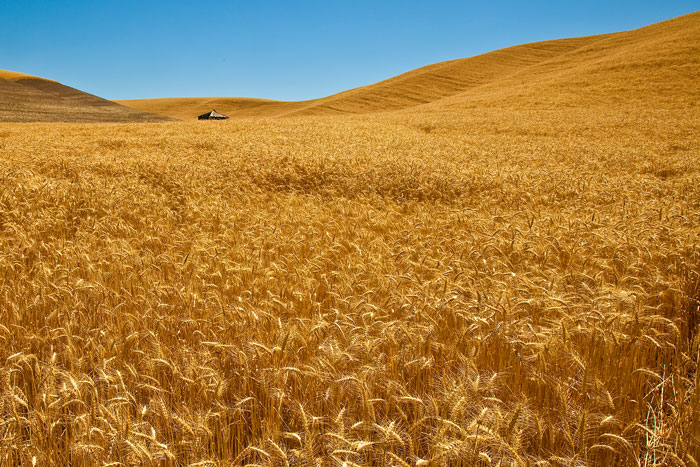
(186, 108)
(27, 98)
(658, 65)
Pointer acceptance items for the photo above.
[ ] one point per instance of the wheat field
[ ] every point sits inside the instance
(483, 288)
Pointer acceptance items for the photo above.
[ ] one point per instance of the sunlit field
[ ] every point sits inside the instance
(458, 288)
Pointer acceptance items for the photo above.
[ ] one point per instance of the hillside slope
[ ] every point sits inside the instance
(657, 65)
(26, 98)
(420, 86)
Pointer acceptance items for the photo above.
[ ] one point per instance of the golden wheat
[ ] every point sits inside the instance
(478, 288)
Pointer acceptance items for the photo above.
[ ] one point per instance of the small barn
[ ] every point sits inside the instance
(213, 115)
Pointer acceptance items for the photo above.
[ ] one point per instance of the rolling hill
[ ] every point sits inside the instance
(27, 98)
(657, 65)
(187, 108)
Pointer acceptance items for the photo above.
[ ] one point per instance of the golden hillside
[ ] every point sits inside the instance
(657, 64)
(416, 87)
(27, 98)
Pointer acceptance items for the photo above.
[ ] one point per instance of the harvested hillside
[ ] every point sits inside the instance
(26, 98)
(658, 65)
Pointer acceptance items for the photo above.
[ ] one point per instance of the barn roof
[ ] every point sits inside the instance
(213, 114)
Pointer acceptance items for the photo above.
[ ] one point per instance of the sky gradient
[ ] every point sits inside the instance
(281, 50)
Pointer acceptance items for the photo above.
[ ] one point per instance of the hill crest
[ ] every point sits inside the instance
(28, 98)
(15, 76)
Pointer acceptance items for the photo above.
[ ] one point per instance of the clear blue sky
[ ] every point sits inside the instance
(281, 49)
